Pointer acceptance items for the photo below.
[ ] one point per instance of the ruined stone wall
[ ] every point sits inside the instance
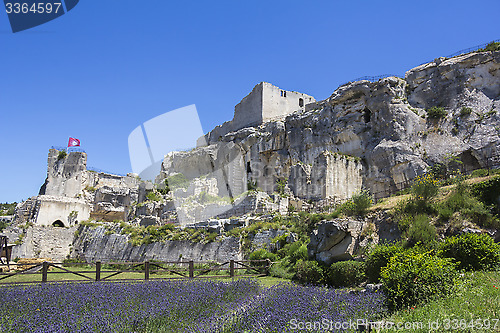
(68, 211)
(266, 102)
(278, 103)
(45, 242)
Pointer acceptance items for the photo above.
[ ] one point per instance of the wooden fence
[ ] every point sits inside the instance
(177, 270)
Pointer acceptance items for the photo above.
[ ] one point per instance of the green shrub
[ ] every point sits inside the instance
(345, 274)
(479, 173)
(471, 251)
(444, 213)
(425, 187)
(62, 154)
(251, 185)
(420, 231)
(281, 185)
(282, 269)
(436, 113)
(439, 171)
(294, 251)
(462, 200)
(413, 277)
(489, 193)
(153, 196)
(493, 46)
(378, 258)
(176, 181)
(262, 254)
(308, 272)
(358, 204)
(465, 111)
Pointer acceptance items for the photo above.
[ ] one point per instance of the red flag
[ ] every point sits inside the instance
(73, 142)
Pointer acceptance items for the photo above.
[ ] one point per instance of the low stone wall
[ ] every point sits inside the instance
(45, 242)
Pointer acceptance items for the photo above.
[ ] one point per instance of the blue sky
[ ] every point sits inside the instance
(107, 66)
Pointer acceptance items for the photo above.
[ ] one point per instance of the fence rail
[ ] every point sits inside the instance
(464, 51)
(174, 269)
(68, 149)
(371, 78)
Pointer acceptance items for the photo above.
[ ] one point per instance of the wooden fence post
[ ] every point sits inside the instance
(45, 268)
(191, 269)
(231, 268)
(268, 267)
(98, 271)
(146, 270)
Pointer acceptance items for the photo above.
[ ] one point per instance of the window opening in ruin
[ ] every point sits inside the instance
(284, 93)
(58, 224)
(301, 102)
(367, 115)
(249, 169)
(281, 93)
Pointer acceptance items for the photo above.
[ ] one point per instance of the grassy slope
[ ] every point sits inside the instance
(391, 202)
(477, 297)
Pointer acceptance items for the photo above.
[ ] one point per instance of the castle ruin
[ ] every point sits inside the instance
(266, 102)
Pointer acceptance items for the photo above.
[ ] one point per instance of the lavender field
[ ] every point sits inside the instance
(180, 306)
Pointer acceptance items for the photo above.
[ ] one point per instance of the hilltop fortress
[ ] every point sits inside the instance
(265, 103)
(282, 151)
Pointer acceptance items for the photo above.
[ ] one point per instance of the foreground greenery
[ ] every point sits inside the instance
(475, 302)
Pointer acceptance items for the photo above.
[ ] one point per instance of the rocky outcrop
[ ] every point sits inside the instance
(345, 238)
(95, 244)
(383, 126)
(335, 241)
(45, 242)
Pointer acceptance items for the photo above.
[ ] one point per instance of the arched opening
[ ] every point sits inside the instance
(301, 102)
(58, 224)
(367, 115)
(249, 169)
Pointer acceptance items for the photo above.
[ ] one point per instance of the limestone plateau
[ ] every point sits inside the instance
(282, 150)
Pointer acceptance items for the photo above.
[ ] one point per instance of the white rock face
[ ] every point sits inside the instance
(61, 211)
(94, 244)
(45, 242)
(383, 124)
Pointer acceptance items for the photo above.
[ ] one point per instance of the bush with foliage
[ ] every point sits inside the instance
(282, 269)
(153, 196)
(308, 272)
(493, 46)
(425, 187)
(414, 277)
(176, 181)
(471, 251)
(281, 185)
(358, 204)
(436, 113)
(489, 193)
(345, 274)
(420, 231)
(262, 254)
(62, 154)
(378, 258)
(462, 200)
(465, 111)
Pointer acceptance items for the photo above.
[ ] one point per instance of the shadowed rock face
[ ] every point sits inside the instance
(334, 241)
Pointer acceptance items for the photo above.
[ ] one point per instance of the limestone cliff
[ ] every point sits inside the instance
(375, 135)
